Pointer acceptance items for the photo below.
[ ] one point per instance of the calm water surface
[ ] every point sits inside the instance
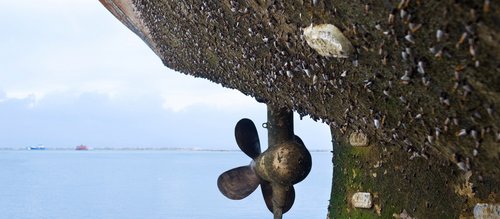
(141, 184)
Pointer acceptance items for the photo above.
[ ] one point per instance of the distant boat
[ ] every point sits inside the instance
(38, 147)
(81, 148)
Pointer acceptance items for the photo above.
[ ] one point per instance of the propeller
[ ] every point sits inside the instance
(276, 182)
(240, 182)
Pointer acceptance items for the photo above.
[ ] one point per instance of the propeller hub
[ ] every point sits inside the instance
(287, 163)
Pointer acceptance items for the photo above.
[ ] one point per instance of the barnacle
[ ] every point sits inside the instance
(328, 40)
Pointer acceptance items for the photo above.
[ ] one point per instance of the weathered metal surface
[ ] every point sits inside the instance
(285, 163)
(238, 183)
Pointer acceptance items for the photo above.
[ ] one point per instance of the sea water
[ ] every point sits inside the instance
(141, 184)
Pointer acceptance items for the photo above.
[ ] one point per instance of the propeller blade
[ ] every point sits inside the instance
(267, 192)
(247, 138)
(238, 183)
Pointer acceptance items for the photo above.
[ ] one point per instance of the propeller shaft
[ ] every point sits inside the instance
(286, 162)
(279, 125)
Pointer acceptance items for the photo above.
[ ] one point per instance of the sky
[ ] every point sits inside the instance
(70, 74)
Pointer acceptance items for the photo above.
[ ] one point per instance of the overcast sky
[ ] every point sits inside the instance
(70, 73)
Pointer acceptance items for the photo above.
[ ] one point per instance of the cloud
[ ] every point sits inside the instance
(3, 97)
(71, 73)
(229, 100)
(65, 121)
(46, 5)
(201, 93)
(69, 52)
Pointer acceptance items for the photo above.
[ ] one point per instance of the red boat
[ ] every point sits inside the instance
(82, 148)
